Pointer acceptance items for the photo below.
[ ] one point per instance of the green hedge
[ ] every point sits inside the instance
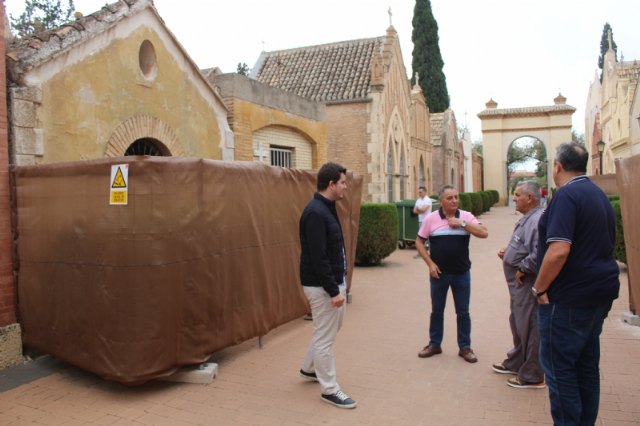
(495, 196)
(377, 234)
(486, 201)
(476, 203)
(464, 201)
(620, 248)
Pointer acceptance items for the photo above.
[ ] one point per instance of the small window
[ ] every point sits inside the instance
(281, 157)
(147, 60)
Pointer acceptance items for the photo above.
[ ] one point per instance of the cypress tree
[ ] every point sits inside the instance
(427, 60)
(604, 46)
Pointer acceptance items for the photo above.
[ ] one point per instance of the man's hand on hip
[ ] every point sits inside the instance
(337, 301)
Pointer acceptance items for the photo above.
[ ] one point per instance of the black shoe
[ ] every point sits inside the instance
(308, 376)
(339, 399)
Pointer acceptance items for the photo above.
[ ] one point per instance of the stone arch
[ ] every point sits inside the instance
(140, 127)
(510, 179)
(551, 125)
(396, 158)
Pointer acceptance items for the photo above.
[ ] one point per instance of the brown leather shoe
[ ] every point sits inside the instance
(468, 355)
(429, 351)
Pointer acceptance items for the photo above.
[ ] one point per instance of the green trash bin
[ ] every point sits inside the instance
(408, 222)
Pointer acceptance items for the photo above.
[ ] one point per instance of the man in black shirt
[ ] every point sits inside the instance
(323, 276)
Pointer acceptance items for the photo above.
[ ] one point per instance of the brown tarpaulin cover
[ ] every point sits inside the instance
(204, 256)
(628, 176)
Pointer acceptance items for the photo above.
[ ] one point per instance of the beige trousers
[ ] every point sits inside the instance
(327, 320)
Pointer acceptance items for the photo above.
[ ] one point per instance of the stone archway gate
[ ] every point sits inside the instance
(500, 127)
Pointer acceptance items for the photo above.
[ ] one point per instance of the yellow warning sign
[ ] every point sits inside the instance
(118, 197)
(119, 185)
(118, 181)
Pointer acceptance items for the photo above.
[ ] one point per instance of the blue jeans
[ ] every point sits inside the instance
(570, 358)
(461, 289)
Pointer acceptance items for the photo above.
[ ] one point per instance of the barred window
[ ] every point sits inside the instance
(281, 157)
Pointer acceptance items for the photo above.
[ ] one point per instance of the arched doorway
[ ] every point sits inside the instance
(500, 127)
(148, 146)
(526, 160)
(143, 132)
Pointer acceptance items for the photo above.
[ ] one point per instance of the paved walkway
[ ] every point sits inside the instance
(386, 326)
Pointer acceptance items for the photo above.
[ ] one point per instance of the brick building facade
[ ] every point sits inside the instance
(377, 125)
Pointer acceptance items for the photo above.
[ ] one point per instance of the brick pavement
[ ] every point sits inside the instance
(376, 351)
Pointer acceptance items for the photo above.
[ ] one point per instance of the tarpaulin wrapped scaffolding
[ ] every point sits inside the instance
(205, 255)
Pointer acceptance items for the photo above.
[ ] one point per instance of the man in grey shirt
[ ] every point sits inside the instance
(519, 261)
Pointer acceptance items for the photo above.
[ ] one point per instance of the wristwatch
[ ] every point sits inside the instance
(537, 293)
(463, 224)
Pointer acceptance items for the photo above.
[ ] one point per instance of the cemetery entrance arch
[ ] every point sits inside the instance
(551, 125)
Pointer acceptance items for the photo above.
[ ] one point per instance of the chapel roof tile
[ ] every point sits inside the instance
(331, 73)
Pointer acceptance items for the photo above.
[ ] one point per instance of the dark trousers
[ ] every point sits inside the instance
(461, 289)
(570, 358)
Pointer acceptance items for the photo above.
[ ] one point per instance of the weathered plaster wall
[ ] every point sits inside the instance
(78, 108)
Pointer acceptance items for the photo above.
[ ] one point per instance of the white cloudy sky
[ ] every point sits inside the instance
(518, 52)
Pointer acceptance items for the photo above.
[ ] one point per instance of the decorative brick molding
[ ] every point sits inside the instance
(142, 126)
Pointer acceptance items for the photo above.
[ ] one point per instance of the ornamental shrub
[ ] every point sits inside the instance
(377, 234)
(464, 201)
(486, 201)
(495, 196)
(476, 203)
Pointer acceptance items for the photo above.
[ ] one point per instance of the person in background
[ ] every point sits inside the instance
(422, 208)
(449, 230)
(577, 281)
(519, 261)
(543, 196)
(324, 280)
(423, 205)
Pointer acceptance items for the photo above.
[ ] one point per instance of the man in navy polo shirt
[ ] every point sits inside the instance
(449, 231)
(576, 285)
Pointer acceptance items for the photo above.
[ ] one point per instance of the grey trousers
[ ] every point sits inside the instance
(524, 358)
(327, 320)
